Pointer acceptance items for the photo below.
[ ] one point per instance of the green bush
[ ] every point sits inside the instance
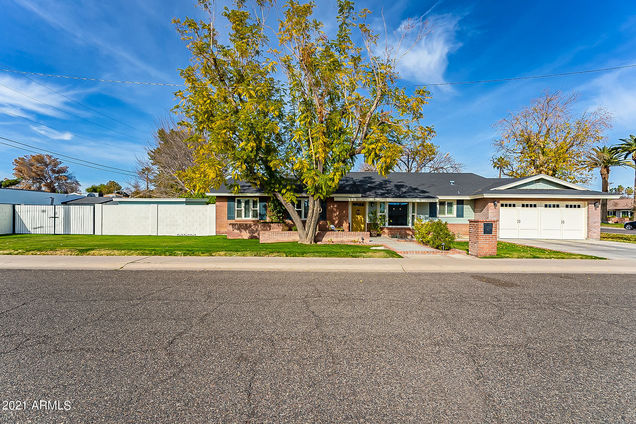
(434, 234)
(374, 226)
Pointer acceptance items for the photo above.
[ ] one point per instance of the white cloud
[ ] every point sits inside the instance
(424, 60)
(51, 133)
(18, 96)
(616, 92)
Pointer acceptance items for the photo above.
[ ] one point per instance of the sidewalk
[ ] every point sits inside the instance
(415, 263)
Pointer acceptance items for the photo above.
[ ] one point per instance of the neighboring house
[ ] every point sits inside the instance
(622, 208)
(533, 207)
(15, 196)
(89, 200)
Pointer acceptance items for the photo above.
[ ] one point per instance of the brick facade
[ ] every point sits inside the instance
(593, 220)
(321, 236)
(221, 215)
(338, 213)
(486, 209)
(481, 244)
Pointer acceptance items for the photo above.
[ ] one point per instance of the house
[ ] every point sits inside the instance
(16, 196)
(621, 209)
(532, 207)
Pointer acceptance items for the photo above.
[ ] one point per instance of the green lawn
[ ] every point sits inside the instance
(625, 238)
(33, 244)
(607, 224)
(512, 250)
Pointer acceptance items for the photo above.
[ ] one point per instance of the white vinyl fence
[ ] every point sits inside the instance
(116, 219)
(156, 219)
(54, 219)
(6, 219)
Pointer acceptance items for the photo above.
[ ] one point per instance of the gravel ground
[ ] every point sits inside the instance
(133, 346)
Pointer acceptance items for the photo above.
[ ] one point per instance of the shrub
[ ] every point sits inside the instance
(374, 225)
(434, 234)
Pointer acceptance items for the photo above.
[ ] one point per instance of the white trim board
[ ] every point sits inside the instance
(539, 177)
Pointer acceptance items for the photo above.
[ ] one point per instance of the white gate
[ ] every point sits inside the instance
(53, 219)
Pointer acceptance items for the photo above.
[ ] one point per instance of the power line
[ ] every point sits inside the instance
(61, 110)
(79, 103)
(166, 84)
(71, 159)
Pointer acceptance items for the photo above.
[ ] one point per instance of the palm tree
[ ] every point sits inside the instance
(604, 158)
(500, 163)
(628, 148)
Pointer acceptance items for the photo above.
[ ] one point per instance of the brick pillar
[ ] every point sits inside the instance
(479, 242)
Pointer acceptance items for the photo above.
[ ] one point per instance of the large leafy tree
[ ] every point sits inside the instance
(547, 137)
(628, 149)
(107, 188)
(604, 158)
(44, 172)
(289, 112)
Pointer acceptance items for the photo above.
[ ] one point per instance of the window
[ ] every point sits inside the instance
(625, 214)
(446, 209)
(382, 213)
(528, 205)
(553, 205)
(508, 205)
(398, 214)
(302, 207)
(246, 208)
(575, 206)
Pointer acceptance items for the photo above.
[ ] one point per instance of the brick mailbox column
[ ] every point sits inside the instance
(482, 237)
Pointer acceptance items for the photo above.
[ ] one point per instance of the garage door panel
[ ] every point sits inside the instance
(544, 219)
(551, 221)
(529, 220)
(574, 225)
(508, 220)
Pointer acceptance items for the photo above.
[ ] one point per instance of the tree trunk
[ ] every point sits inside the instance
(311, 225)
(294, 216)
(307, 231)
(605, 171)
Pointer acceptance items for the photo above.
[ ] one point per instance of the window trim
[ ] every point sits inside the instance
(445, 214)
(253, 201)
(304, 207)
(408, 213)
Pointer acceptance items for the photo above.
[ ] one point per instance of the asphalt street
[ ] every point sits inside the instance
(141, 346)
(615, 230)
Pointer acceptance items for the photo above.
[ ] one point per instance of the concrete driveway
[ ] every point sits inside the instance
(603, 249)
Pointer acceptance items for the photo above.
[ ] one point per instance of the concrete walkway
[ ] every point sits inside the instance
(600, 248)
(403, 247)
(415, 263)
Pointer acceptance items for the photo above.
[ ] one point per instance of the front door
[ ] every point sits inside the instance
(358, 212)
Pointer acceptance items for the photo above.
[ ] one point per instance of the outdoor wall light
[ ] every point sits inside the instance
(596, 205)
(495, 203)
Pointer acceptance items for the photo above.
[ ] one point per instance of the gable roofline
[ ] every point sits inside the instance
(539, 177)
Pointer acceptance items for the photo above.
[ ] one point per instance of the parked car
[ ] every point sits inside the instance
(630, 225)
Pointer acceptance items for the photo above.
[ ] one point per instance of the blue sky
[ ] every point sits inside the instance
(466, 40)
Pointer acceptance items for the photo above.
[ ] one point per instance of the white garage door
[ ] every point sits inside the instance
(549, 220)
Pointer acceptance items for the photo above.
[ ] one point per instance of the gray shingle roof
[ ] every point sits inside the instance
(424, 185)
(89, 201)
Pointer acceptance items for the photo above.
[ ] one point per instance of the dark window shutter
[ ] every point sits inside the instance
(460, 209)
(323, 211)
(230, 208)
(432, 210)
(262, 210)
